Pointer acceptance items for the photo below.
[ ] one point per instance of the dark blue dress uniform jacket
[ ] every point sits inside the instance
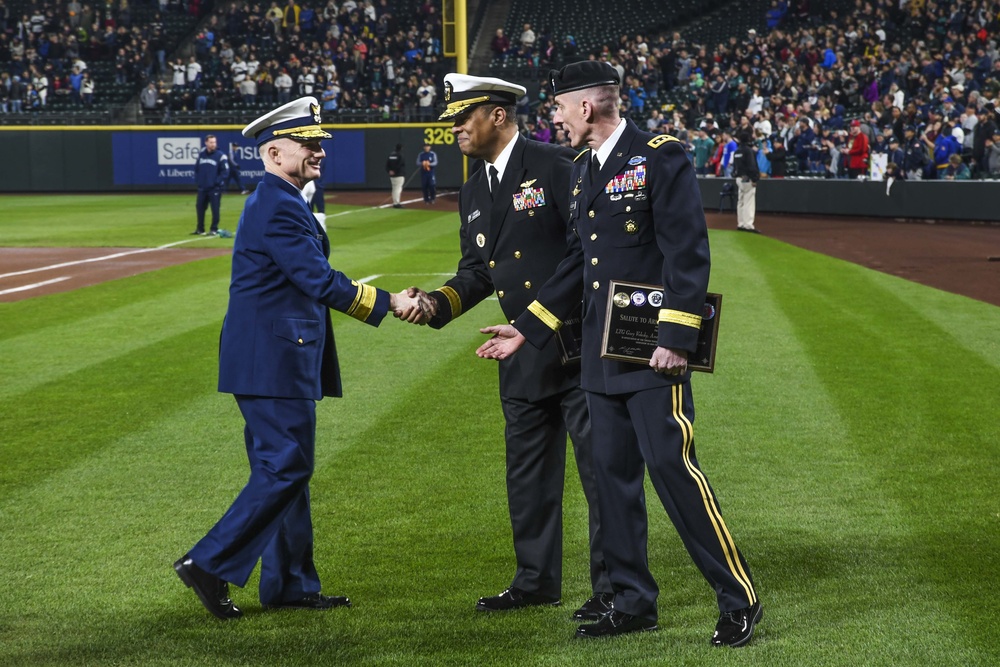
(277, 338)
(512, 245)
(619, 238)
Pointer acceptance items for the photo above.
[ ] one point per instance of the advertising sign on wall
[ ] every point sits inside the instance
(168, 158)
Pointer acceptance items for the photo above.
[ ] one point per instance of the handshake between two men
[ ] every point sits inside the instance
(415, 306)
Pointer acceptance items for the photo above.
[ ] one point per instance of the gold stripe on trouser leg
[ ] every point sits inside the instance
(711, 506)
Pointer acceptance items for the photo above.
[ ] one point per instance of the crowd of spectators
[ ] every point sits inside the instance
(919, 79)
(352, 55)
(915, 82)
(50, 53)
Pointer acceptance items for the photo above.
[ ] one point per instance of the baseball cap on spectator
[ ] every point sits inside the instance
(855, 123)
(893, 140)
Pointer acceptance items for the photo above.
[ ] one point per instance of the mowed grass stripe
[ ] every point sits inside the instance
(96, 336)
(157, 219)
(914, 426)
(31, 318)
(59, 423)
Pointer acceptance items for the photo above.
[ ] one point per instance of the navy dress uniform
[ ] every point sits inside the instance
(639, 219)
(277, 357)
(512, 239)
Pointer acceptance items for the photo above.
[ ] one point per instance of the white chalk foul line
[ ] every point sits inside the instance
(25, 288)
(376, 276)
(389, 205)
(93, 259)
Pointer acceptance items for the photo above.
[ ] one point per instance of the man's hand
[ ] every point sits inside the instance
(428, 306)
(670, 362)
(505, 342)
(413, 305)
(406, 307)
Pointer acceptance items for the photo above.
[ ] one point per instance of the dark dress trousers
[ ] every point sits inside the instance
(511, 244)
(640, 219)
(277, 356)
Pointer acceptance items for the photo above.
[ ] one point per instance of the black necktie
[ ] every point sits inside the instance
(494, 182)
(595, 166)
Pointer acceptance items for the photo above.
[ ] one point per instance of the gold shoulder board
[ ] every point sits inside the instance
(661, 139)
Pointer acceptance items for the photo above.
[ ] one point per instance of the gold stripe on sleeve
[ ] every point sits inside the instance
(453, 299)
(364, 304)
(680, 317)
(357, 298)
(547, 318)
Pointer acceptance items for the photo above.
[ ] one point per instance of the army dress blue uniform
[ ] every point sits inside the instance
(278, 357)
(640, 219)
(511, 244)
(211, 171)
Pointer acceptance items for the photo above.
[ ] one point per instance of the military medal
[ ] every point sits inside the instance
(529, 198)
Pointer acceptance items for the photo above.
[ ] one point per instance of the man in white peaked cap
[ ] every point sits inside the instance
(514, 213)
(277, 357)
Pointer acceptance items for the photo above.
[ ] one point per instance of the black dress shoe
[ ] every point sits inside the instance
(515, 598)
(212, 591)
(595, 607)
(314, 601)
(735, 628)
(616, 623)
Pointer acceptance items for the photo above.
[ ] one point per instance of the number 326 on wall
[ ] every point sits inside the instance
(435, 136)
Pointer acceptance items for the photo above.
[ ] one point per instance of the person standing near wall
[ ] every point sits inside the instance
(395, 166)
(428, 161)
(747, 173)
(211, 171)
(234, 169)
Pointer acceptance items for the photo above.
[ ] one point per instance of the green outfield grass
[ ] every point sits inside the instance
(850, 432)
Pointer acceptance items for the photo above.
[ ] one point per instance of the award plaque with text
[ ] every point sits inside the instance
(631, 328)
(569, 338)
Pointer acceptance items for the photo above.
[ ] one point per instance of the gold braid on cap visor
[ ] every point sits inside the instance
(306, 132)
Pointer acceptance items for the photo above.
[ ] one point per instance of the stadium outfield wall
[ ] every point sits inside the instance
(147, 158)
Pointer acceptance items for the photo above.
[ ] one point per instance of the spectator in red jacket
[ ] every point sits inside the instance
(857, 153)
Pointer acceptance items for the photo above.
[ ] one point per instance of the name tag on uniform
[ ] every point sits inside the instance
(472, 216)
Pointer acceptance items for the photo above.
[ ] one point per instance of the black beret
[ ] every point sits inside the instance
(584, 74)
